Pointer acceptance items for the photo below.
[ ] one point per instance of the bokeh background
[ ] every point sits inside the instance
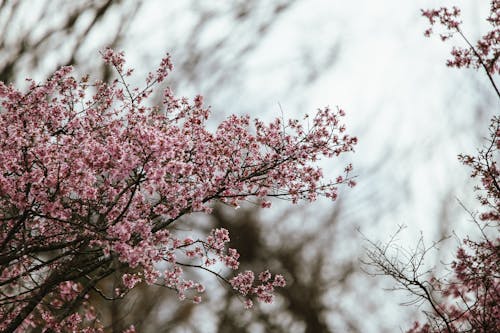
(411, 113)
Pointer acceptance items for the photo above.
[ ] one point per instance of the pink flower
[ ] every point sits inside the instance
(130, 280)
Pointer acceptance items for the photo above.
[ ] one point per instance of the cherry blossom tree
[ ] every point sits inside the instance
(467, 299)
(95, 179)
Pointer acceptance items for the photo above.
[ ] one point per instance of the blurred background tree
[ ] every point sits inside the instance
(244, 56)
(41, 36)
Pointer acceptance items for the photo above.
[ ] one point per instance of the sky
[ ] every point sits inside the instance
(411, 113)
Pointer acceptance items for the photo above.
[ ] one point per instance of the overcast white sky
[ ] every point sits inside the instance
(412, 114)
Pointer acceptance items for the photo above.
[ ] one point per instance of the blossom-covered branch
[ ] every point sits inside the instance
(485, 53)
(94, 176)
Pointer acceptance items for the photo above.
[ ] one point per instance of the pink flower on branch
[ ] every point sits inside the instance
(92, 179)
(486, 51)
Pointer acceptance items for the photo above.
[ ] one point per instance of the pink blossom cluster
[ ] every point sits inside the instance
(245, 283)
(63, 299)
(485, 167)
(470, 300)
(485, 53)
(93, 177)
